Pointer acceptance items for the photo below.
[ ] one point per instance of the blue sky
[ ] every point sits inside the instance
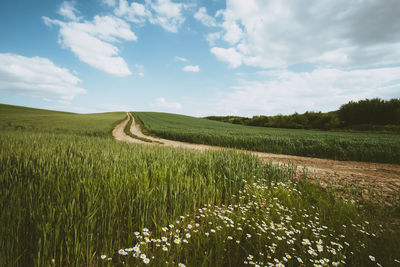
(237, 57)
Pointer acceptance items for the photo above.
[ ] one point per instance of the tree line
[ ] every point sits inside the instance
(368, 114)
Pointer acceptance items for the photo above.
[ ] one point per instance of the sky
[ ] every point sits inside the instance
(199, 58)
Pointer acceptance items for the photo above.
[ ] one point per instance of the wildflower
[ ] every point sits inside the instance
(103, 257)
(372, 258)
(181, 265)
(164, 239)
(187, 235)
(146, 261)
(177, 241)
(164, 229)
(189, 226)
(165, 248)
(143, 256)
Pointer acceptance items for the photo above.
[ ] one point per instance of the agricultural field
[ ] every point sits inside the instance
(38, 120)
(368, 147)
(70, 195)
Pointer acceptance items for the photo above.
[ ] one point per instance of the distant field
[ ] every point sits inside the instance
(70, 195)
(39, 120)
(369, 147)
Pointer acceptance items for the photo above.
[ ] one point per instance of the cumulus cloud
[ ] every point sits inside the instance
(93, 41)
(162, 103)
(202, 16)
(213, 37)
(320, 90)
(38, 77)
(167, 14)
(135, 12)
(339, 33)
(68, 11)
(229, 55)
(191, 68)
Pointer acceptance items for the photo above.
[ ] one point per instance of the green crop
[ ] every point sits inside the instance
(368, 147)
(70, 195)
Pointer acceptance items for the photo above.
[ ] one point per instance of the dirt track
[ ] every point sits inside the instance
(326, 171)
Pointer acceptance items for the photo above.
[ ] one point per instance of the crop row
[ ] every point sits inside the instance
(367, 147)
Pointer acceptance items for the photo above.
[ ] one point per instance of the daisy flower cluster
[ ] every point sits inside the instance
(261, 227)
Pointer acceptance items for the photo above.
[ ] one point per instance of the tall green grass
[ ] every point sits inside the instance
(71, 197)
(368, 147)
(68, 197)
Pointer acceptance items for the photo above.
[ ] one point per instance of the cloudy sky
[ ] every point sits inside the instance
(213, 57)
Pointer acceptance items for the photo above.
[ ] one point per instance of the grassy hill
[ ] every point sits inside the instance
(72, 196)
(39, 120)
(334, 145)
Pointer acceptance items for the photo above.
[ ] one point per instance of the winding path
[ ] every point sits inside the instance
(385, 176)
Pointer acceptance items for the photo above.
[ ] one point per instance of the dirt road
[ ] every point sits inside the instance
(385, 177)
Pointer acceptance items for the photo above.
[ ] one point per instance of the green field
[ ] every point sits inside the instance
(369, 147)
(70, 195)
(45, 121)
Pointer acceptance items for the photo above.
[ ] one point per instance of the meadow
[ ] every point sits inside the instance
(368, 147)
(70, 195)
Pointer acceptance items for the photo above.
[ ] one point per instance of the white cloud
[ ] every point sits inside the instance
(342, 33)
(162, 103)
(191, 68)
(91, 41)
(229, 55)
(111, 3)
(135, 12)
(213, 37)
(167, 14)
(38, 77)
(233, 32)
(181, 59)
(202, 16)
(68, 11)
(320, 90)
